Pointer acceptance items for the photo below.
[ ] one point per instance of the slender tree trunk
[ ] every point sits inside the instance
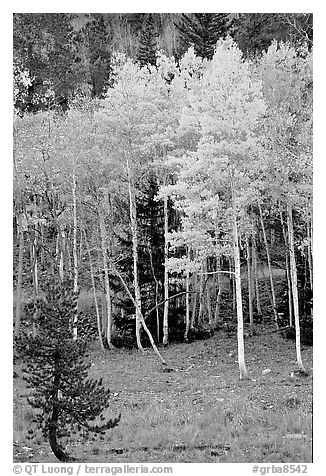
(232, 286)
(207, 294)
(269, 267)
(194, 303)
(255, 266)
(310, 259)
(209, 308)
(74, 250)
(19, 275)
(98, 317)
(250, 290)
(201, 296)
(166, 274)
(68, 254)
(156, 293)
(134, 233)
(219, 294)
(268, 290)
(288, 272)
(293, 269)
(42, 250)
(34, 277)
(142, 320)
(237, 273)
(187, 300)
(103, 294)
(290, 300)
(60, 251)
(106, 281)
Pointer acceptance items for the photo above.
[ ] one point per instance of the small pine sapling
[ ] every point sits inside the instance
(56, 372)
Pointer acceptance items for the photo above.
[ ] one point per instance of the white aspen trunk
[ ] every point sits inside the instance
(209, 309)
(134, 233)
(35, 279)
(19, 275)
(288, 272)
(142, 320)
(290, 303)
(103, 294)
(60, 251)
(98, 317)
(208, 298)
(74, 251)
(237, 271)
(201, 296)
(310, 259)
(293, 269)
(166, 275)
(219, 293)
(232, 286)
(68, 258)
(255, 266)
(250, 290)
(194, 303)
(269, 267)
(152, 340)
(187, 300)
(106, 281)
(42, 250)
(156, 293)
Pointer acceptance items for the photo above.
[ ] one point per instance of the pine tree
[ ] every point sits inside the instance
(96, 55)
(202, 30)
(148, 42)
(254, 32)
(57, 372)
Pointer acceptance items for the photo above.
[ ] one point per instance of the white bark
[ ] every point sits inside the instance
(293, 269)
(310, 259)
(255, 267)
(187, 300)
(231, 274)
(288, 272)
(201, 295)
(74, 250)
(166, 275)
(35, 277)
(134, 233)
(219, 293)
(194, 303)
(269, 267)
(209, 307)
(156, 293)
(59, 251)
(142, 320)
(19, 275)
(241, 356)
(106, 281)
(98, 317)
(250, 290)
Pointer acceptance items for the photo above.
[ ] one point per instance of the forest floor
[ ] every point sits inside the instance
(200, 412)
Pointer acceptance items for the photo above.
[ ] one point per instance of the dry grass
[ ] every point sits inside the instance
(200, 412)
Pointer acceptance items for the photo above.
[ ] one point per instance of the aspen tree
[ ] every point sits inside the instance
(293, 271)
(225, 106)
(270, 270)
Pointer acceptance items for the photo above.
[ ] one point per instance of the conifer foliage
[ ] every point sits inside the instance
(148, 42)
(202, 30)
(57, 369)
